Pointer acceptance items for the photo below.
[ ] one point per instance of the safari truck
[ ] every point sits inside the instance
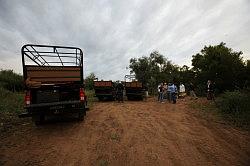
(134, 89)
(53, 77)
(104, 90)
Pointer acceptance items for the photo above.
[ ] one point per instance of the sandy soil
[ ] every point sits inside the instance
(129, 133)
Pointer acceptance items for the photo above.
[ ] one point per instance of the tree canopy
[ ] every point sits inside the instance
(10, 80)
(218, 63)
(89, 81)
(156, 68)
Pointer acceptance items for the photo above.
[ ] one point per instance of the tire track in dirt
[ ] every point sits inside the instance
(129, 133)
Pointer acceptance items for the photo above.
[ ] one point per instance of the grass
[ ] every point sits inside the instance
(11, 104)
(235, 107)
(207, 110)
(103, 162)
(213, 111)
(115, 136)
(90, 97)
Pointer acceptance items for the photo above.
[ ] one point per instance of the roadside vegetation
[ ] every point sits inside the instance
(225, 67)
(232, 108)
(90, 97)
(11, 81)
(11, 104)
(11, 92)
(235, 107)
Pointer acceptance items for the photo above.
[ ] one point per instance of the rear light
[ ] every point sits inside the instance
(28, 98)
(82, 95)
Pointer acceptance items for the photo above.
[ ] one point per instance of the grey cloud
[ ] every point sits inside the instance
(112, 32)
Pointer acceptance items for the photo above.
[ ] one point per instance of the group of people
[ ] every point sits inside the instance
(168, 91)
(171, 92)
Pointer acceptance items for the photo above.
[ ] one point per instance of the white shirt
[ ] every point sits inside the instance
(182, 88)
(159, 88)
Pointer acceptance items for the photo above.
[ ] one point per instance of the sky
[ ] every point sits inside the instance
(111, 32)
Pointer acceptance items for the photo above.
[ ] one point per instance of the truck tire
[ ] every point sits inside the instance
(100, 98)
(38, 119)
(81, 114)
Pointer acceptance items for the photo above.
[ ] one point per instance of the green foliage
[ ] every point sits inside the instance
(220, 64)
(11, 102)
(11, 81)
(89, 81)
(90, 97)
(236, 107)
(156, 68)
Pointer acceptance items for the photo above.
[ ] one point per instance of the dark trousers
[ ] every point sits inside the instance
(169, 96)
(210, 95)
(174, 97)
(119, 96)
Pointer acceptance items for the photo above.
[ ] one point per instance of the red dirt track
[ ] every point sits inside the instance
(129, 133)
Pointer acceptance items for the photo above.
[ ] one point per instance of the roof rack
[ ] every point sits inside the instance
(46, 55)
(130, 77)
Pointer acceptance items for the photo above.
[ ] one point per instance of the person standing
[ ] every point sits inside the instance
(192, 93)
(165, 87)
(169, 92)
(174, 93)
(210, 90)
(161, 89)
(119, 92)
(158, 90)
(182, 90)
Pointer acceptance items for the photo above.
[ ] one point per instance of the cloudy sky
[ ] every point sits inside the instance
(110, 32)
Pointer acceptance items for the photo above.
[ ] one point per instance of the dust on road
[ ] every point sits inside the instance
(129, 133)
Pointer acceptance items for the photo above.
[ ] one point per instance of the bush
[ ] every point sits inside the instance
(201, 90)
(235, 106)
(11, 102)
(11, 81)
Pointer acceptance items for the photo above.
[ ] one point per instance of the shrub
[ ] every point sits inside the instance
(11, 102)
(11, 81)
(235, 106)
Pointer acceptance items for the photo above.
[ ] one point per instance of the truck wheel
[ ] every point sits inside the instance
(100, 98)
(81, 114)
(38, 119)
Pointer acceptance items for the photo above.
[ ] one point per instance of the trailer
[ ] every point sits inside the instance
(134, 89)
(105, 90)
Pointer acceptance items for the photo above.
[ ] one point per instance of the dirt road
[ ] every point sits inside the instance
(131, 133)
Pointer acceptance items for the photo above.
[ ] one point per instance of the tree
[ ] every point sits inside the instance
(220, 64)
(89, 81)
(141, 67)
(10, 80)
(154, 69)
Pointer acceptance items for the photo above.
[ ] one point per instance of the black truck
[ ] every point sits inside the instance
(104, 90)
(135, 90)
(53, 77)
